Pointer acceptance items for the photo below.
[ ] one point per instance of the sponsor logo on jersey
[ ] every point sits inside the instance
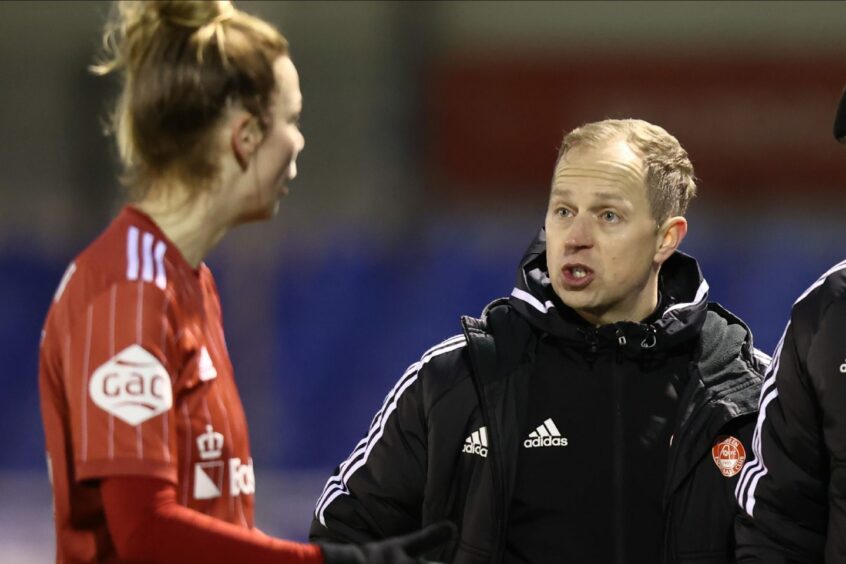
(242, 478)
(546, 435)
(208, 479)
(477, 443)
(729, 455)
(133, 386)
(210, 444)
(208, 476)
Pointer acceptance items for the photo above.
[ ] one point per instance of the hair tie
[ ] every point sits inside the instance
(225, 12)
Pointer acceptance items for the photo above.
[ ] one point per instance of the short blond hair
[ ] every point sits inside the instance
(670, 180)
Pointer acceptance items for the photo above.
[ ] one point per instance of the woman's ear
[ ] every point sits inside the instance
(245, 140)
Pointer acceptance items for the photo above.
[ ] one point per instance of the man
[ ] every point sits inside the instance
(793, 494)
(599, 414)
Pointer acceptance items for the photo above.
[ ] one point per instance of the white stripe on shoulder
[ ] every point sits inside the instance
(145, 257)
(147, 264)
(701, 292)
(839, 266)
(64, 282)
(337, 483)
(161, 273)
(762, 357)
(532, 301)
(132, 253)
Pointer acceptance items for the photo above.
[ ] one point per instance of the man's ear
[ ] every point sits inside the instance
(245, 140)
(670, 236)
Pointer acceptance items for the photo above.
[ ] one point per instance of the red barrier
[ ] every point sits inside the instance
(755, 128)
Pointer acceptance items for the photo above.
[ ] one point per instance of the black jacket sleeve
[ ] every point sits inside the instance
(377, 492)
(793, 495)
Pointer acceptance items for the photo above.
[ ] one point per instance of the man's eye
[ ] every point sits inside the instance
(563, 212)
(610, 216)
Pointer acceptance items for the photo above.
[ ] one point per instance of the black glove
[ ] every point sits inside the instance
(394, 550)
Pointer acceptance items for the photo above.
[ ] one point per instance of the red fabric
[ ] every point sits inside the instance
(130, 321)
(147, 524)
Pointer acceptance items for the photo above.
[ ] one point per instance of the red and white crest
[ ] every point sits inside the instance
(729, 455)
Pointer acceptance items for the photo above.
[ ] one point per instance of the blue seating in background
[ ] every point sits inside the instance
(350, 317)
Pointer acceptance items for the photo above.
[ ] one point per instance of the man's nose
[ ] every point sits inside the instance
(580, 234)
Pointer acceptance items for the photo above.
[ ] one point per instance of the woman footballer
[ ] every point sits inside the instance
(146, 436)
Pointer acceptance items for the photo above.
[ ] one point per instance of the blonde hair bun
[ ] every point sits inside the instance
(182, 63)
(192, 13)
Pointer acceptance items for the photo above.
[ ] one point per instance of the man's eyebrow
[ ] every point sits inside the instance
(565, 192)
(560, 192)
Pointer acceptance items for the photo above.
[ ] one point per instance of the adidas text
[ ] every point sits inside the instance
(475, 449)
(545, 442)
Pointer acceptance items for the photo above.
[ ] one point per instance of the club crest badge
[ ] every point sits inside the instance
(729, 455)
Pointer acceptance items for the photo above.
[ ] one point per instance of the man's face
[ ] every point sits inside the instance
(602, 242)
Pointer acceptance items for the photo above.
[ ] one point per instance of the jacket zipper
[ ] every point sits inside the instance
(496, 477)
(617, 463)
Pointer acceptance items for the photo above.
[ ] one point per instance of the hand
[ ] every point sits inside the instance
(395, 550)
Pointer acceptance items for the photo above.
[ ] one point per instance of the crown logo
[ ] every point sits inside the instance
(210, 444)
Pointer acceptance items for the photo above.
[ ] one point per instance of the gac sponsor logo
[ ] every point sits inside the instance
(133, 386)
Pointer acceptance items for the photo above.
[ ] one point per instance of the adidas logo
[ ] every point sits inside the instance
(477, 443)
(546, 435)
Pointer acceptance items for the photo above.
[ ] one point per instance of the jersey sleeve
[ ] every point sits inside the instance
(147, 524)
(790, 513)
(120, 360)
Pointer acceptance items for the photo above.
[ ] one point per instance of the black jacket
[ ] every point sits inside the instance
(795, 488)
(413, 468)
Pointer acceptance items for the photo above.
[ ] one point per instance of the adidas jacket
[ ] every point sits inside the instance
(412, 468)
(793, 493)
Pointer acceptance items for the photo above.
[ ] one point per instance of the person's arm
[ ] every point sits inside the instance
(792, 494)
(147, 524)
(378, 491)
(827, 364)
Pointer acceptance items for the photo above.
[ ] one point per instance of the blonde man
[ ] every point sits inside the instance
(601, 413)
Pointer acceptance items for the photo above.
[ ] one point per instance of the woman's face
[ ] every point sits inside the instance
(274, 161)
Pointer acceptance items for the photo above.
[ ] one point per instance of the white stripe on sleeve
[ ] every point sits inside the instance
(752, 473)
(337, 484)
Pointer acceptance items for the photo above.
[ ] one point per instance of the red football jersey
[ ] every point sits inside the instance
(135, 379)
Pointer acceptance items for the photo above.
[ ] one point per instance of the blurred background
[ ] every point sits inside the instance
(431, 131)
